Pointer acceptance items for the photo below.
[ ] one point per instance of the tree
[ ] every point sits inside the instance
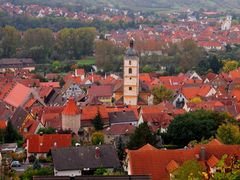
(97, 138)
(214, 64)
(161, 94)
(36, 164)
(189, 170)
(230, 65)
(141, 136)
(47, 131)
(100, 171)
(38, 43)
(228, 170)
(121, 149)
(30, 172)
(197, 125)
(228, 133)
(9, 41)
(75, 43)
(97, 122)
(108, 56)
(11, 134)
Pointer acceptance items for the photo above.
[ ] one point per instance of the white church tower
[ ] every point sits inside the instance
(226, 25)
(131, 76)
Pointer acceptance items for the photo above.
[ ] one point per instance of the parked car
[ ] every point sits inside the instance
(15, 164)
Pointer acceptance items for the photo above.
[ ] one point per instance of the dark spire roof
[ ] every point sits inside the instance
(131, 51)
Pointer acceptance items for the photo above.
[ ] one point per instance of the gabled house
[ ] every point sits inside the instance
(40, 145)
(122, 117)
(102, 93)
(84, 160)
(72, 89)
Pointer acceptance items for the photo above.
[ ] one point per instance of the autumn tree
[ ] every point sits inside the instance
(161, 94)
(228, 133)
(141, 136)
(9, 41)
(230, 65)
(97, 138)
(189, 170)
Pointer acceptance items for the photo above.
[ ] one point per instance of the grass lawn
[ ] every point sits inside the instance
(86, 61)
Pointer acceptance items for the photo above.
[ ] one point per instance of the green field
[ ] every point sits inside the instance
(86, 61)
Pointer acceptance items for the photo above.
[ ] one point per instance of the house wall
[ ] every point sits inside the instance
(71, 173)
(71, 122)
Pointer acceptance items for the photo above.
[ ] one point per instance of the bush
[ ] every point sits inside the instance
(29, 173)
(43, 159)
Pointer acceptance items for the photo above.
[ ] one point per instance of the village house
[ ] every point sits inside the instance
(84, 160)
(14, 64)
(39, 145)
(161, 164)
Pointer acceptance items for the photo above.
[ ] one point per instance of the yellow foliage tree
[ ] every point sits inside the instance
(230, 65)
(196, 100)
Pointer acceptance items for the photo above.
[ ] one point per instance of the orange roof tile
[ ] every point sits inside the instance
(212, 161)
(71, 108)
(172, 166)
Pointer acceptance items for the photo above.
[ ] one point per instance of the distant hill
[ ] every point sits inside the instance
(148, 5)
(224, 5)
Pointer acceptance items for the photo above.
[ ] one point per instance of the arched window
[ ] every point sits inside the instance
(130, 88)
(130, 62)
(130, 70)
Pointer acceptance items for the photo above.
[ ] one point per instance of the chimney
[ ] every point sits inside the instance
(97, 152)
(202, 154)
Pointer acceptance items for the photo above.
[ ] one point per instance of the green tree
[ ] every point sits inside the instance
(97, 122)
(97, 138)
(161, 94)
(47, 130)
(121, 149)
(39, 43)
(30, 172)
(228, 133)
(214, 64)
(9, 41)
(100, 171)
(108, 56)
(11, 134)
(142, 136)
(189, 170)
(197, 125)
(75, 43)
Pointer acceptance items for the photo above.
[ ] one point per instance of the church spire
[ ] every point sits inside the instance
(131, 51)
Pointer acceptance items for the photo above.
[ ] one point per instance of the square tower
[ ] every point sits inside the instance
(131, 76)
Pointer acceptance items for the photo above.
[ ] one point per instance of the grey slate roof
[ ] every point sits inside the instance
(18, 117)
(77, 158)
(122, 117)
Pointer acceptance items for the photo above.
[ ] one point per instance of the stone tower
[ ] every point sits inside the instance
(71, 116)
(131, 76)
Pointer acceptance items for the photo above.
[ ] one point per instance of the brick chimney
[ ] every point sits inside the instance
(97, 152)
(202, 154)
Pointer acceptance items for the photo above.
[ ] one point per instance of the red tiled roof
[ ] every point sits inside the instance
(43, 143)
(18, 95)
(157, 162)
(79, 72)
(71, 108)
(3, 124)
(172, 166)
(212, 161)
(50, 84)
(119, 129)
(90, 112)
(100, 91)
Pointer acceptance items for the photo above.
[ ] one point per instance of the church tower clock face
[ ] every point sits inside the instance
(131, 76)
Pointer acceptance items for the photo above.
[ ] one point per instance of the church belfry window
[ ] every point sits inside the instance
(130, 70)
